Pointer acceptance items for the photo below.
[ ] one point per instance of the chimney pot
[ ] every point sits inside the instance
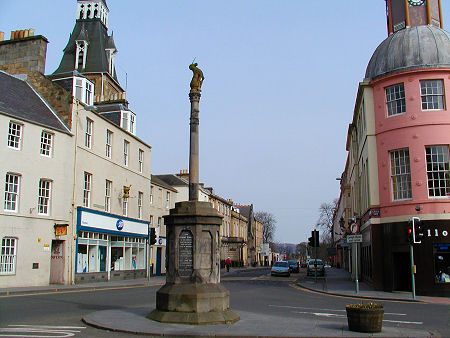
(21, 34)
(26, 33)
(2, 36)
(31, 32)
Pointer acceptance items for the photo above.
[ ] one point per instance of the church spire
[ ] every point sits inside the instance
(93, 9)
(403, 14)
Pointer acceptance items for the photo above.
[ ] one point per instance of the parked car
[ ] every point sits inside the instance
(315, 266)
(293, 265)
(303, 264)
(280, 268)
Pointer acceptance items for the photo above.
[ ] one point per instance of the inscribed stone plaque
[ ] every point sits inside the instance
(185, 253)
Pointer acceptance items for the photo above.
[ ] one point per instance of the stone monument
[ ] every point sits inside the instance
(192, 293)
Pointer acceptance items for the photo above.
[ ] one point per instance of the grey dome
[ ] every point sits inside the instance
(411, 48)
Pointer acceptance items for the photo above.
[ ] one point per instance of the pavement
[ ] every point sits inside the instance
(339, 282)
(336, 282)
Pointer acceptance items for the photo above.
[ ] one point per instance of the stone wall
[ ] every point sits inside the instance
(59, 98)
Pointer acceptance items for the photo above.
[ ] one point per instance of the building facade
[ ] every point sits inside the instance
(398, 153)
(107, 184)
(35, 212)
(162, 199)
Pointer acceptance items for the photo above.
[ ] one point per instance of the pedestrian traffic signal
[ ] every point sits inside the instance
(410, 232)
(152, 236)
(418, 230)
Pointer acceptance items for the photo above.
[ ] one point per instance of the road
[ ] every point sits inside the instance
(59, 314)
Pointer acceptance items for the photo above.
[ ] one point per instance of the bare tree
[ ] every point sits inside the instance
(301, 250)
(269, 225)
(325, 221)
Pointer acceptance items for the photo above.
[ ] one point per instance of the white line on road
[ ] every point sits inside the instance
(50, 327)
(321, 314)
(39, 331)
(402, 322)
(312, 308)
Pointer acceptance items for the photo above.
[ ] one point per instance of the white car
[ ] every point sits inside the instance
(280, 268)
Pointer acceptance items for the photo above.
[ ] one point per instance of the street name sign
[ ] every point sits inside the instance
(354, 238)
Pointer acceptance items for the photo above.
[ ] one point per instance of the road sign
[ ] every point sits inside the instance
(354, 238)
(354, 228)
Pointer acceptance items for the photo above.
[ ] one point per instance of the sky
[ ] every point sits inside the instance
(280, 85)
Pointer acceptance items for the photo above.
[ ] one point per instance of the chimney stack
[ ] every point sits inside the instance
(23, 53)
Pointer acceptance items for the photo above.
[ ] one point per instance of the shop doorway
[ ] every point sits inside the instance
(158, 261)
(102, 255)
(57, 263)
(402, 271)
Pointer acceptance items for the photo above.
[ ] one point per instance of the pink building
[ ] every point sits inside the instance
(398, 165)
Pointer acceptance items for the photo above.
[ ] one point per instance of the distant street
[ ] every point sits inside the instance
(59, 314)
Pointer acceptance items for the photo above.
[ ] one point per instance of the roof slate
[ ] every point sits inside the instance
(20, 100)
(156, 180)
(96, 34)
(172, 180)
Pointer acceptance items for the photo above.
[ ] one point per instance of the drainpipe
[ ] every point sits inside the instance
(74, 214)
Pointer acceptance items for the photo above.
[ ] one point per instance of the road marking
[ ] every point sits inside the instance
(312, 308)
(402, 322)
(41, 331)
(322, 314)
(60, 291)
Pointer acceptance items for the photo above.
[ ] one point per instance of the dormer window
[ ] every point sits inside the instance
(111, 54)
(81, 53)
(83, 90)
(128, 121)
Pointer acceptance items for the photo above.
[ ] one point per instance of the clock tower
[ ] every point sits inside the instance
(409, 13)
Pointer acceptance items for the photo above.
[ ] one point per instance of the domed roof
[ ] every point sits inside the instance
(411, 48)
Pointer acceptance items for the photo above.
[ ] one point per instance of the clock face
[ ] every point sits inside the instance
(416, 2)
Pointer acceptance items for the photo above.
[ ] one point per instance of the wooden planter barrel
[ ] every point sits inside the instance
(365, 320)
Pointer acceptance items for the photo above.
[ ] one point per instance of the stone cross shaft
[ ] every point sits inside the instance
(194, 97)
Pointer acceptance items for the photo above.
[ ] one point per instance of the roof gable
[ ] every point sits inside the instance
(19, 99)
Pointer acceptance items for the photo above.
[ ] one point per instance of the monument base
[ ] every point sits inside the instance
(197, 304)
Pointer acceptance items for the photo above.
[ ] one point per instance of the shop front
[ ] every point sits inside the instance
(109, 247)
(392, 262)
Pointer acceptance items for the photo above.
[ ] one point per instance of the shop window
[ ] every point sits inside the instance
(442, 262)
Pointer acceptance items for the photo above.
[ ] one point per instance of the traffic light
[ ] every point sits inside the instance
(152, 236)
(410, 232)
(313, 241)
(316, 238)
(418, 230)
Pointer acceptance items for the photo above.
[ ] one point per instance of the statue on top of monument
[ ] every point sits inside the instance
(197, 78)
